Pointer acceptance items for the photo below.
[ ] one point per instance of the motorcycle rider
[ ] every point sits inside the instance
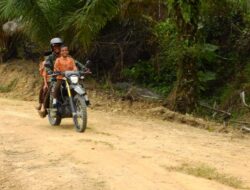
(55, 44)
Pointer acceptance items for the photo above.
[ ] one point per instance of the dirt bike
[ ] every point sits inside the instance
(73, 100)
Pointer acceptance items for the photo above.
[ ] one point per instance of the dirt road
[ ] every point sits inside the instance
(115, 153)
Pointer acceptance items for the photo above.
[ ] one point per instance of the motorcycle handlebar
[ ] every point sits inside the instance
(54, 74)
(87, 71)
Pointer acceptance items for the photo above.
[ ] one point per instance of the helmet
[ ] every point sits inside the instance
(55, 41)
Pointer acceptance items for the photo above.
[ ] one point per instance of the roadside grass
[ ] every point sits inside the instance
(9, 87)
(207, 172)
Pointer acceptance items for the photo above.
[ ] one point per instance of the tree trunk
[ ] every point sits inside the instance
(185, 94)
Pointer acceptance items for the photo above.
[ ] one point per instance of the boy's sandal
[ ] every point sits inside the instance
(38, 107)
(42, 114)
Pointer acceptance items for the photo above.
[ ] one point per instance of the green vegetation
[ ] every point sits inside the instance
(189, 51)
(9, 87)
(209, 173)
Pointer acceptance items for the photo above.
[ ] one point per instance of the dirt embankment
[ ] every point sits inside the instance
(19, 79)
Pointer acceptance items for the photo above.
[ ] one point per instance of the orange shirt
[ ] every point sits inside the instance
(64, 64)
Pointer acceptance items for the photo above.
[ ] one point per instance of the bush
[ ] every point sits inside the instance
(159, 73)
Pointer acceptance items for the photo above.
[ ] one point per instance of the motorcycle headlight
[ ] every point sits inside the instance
(74, 79)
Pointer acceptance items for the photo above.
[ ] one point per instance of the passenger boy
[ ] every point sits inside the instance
(62, 64)
(44, 87)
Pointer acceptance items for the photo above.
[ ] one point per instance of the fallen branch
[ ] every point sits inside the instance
(246, 129)
(240, 122)
(228, 114)
(243, 98)
(242, 128)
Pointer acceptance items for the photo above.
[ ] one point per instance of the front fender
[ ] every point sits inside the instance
(78, 89)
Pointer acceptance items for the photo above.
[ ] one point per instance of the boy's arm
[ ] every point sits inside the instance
(75, 68)
(44, 74)
(56, 66)
(45, 81)
(79, 65)
(41, 68)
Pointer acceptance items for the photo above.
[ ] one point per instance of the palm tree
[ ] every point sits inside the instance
(31, 15)
(77, 21)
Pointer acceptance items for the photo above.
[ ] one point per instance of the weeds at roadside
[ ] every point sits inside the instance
(207, 172)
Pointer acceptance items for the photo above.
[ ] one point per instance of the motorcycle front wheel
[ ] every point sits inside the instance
(80, 119)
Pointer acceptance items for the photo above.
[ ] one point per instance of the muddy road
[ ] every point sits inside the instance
(115, 153)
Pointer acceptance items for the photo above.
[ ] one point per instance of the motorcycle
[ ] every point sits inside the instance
(73, 100)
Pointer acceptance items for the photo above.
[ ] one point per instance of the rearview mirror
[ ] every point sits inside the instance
(88, 63)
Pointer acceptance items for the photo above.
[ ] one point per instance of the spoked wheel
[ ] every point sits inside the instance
(80, 119)
(54, 119)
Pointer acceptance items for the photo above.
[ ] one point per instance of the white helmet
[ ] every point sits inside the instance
(55, 41)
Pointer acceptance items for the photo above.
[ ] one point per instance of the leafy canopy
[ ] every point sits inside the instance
(78, 22)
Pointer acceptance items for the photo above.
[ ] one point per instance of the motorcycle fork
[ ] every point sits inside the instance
(72, 106)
